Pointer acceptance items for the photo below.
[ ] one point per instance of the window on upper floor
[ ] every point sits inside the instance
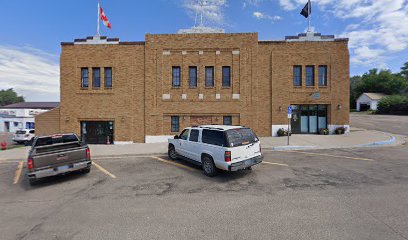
(226, 76)
(84, 78)
(297, 76)
(322, 75)
(108, 77)
(310, 76)
(176, 76)
(96, 77)
(209, 76)
(192, 72)
(175, 123)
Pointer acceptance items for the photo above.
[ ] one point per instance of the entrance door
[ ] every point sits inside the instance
(308, 118)
(200, 120)
(97, 132)
(6, 126)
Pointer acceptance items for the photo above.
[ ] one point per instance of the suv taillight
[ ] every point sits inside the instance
(88, 154)
(227, 156)
(30, 163)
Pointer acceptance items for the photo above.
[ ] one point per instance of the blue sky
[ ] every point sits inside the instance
(31, 31)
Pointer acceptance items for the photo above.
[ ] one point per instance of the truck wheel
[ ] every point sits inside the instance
(172, 153)
(209, 167)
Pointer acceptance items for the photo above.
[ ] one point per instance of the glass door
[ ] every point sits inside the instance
(295, 121)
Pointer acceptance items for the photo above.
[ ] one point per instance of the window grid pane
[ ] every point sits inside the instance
(322, 75)
(96, 77)
(227, 120)
(108, 77)
(85, 80)
(175, 124)
(209, 76)
(297, 76)
(193, 76)
(176, 76)
(226, 76)
(309, 75)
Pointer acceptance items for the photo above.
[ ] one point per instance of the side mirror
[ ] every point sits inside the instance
(176, 137)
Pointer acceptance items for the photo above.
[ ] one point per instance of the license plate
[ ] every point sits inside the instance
(62, 168)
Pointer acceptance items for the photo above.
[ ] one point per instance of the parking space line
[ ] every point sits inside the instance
(173, 163)
(273, 163)
(329, 155)
(18, 172)
(103, 169)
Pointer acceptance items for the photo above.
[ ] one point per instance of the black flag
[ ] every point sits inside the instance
(306, 11)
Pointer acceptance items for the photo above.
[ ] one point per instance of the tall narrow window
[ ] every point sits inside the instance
(297, 75)
(176, 77)
(226, 76)
(209, 76)
(192, 71)
(84, 78)
(323, 75)
(96, 79)
(175, 123)
(310, 76)
(227, 120)
(108, 77)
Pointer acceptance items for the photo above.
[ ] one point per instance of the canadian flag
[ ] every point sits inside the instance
(104, 18)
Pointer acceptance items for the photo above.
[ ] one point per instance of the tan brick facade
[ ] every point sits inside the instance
(142, 99)
(48, 123)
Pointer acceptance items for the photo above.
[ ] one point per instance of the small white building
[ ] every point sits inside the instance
(21, 115)
(369, 101)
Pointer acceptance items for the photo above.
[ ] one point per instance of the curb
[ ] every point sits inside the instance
(283, 148)
(380, 143)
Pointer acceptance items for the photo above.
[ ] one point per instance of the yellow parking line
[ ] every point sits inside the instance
(279, 164)
(18, 172)
(329, 155)
(173, 163)
(103, 170)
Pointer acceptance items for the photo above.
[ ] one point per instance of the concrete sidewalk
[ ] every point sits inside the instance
(356, 138)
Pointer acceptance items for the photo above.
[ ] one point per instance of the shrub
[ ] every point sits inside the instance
(324, 131)
(340, 130)
(282, 132)
(394, 104)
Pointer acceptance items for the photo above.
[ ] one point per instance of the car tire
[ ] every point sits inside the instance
(172, 153)
(209, 167)
(86, 170)
(33, 181)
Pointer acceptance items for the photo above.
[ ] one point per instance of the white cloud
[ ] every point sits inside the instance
(260, 16)
(212, 9)
(379, 27)
(31, 72)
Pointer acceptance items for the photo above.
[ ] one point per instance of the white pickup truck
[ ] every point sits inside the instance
(214, 147)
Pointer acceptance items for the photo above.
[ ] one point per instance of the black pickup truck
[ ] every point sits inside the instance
(57, 154)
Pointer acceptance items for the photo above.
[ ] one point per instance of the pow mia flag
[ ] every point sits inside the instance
(307, 10)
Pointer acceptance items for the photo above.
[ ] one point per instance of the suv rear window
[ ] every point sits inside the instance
(240, 136)
(57, 139)
(213, 137)
(21, 132)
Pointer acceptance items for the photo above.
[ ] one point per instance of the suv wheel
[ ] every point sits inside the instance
(209, 167)
(172, 153)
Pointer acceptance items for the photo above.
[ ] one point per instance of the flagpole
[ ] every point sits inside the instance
(308, 16)
(99, 18)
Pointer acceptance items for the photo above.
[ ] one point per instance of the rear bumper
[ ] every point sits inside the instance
(55, 171)
(245, 163)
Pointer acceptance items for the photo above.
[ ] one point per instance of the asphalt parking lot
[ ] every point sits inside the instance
(321, 194)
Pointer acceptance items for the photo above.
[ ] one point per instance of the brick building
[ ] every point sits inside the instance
(114, 91)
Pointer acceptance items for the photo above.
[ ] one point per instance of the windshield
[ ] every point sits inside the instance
(240, 136)
(55, 139)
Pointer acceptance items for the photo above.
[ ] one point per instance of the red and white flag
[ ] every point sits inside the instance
(104, 18)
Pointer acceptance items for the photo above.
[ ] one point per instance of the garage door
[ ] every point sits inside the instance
(200, 120)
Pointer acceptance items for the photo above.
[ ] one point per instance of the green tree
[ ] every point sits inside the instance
(404, 71)
(9, 96)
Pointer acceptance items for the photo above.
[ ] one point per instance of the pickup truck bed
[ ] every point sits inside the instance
(50, 156)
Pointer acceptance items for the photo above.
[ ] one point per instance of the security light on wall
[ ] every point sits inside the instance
(339, 106)
(67, 119)
(280, 108)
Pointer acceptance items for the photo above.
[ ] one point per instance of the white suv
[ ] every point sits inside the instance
(229, 148)
(24, 136)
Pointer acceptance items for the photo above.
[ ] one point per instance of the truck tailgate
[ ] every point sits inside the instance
(59, 157)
